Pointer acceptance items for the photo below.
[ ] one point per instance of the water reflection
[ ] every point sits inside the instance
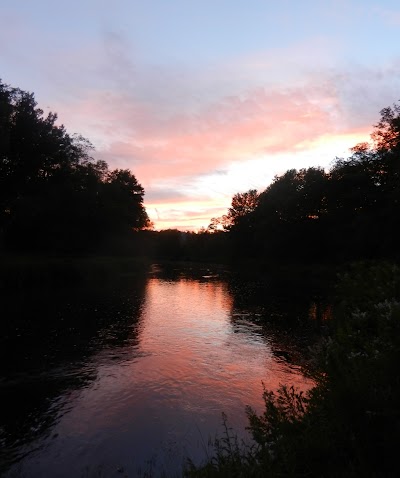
(49, 337)
(158, 362)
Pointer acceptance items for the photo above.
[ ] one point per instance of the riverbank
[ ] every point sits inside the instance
(20, 271)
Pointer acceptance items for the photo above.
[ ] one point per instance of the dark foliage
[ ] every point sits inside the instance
(175, 245)
(348, 213)
(53, 195)
(349, 423)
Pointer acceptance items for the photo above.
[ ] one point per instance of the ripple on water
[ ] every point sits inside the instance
(148, 380)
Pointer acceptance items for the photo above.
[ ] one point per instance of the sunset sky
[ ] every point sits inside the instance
(201, 99)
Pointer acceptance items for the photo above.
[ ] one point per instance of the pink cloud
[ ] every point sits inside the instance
(158, 146)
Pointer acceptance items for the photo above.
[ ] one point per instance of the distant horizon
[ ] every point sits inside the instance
(204, 100)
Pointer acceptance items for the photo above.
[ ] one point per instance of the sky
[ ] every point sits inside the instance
(202, 99)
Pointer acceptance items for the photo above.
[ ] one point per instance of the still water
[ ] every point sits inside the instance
(133, 376)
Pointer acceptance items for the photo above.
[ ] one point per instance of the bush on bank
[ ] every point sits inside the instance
(349, 423)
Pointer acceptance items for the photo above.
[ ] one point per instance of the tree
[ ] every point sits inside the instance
(348, 213)
(123, 200)
(53, 194)
(386, 136)
(242, 205)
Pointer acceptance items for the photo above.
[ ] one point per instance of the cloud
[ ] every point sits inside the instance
(193, 217)
(235, 128)
(165, 195)
(390, 16)
(179, 120)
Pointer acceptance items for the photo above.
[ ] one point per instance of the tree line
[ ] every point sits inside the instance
(350, 212)
(55, 197)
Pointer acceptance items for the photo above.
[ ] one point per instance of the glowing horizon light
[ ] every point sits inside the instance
(258, 173)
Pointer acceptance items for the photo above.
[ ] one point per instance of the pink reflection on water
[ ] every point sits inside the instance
(193, 358)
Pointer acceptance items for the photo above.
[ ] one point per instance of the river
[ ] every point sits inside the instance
(132, 376)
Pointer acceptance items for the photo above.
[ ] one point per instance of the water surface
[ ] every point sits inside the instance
(134, 375)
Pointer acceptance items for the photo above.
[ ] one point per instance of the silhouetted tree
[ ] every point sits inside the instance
(53, 194)
(123, 200)
(242, 205)
(350, 212)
